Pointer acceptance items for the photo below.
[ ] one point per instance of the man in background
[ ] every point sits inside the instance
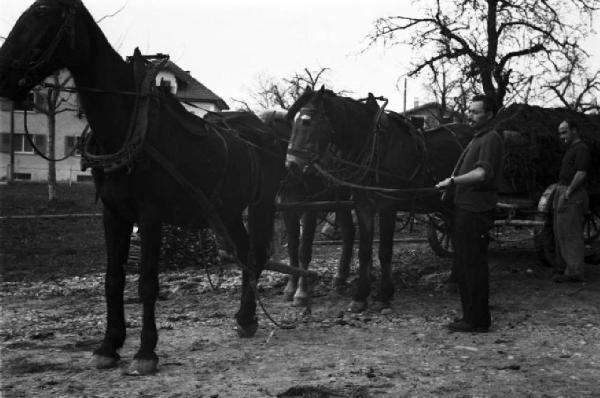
(570, 205)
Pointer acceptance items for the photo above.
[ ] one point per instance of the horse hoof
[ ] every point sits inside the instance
(357, 306)
(245, 331)
(379, 306)
(288, 296)
(143, 367)
(103, 362)
(301, 301)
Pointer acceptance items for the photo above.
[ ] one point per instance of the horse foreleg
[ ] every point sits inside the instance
(292, 226)
(309, 225)
(387, 219)
(344, 218)
(117, 235)
(145, 360)
(365, 257)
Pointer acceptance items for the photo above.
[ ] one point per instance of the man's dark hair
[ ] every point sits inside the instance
(489, 102)
(572, 124)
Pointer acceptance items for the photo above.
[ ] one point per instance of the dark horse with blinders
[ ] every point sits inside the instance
(153, 162)
(301, 223)
(388, 164)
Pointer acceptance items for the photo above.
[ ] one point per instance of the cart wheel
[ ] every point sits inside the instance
(439, 235)
(591, 228)
(543, 239)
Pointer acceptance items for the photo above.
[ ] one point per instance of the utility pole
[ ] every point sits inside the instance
(404, 95)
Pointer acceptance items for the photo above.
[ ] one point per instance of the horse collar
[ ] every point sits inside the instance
(136, 134)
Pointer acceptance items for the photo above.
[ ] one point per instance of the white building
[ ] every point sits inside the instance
(71, 122)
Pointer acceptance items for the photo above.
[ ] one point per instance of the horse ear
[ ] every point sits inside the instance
(371, 101)
(137, 52)
(322, 89)
(308, 89)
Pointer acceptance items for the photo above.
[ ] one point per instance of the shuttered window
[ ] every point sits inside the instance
(21, 144)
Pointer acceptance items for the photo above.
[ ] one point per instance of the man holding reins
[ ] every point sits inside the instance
(475, 180)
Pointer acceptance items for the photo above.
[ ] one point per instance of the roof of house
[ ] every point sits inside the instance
(190, 89)
(427, 107)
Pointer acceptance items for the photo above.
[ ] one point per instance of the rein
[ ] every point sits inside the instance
(39, 152)
(338, 181)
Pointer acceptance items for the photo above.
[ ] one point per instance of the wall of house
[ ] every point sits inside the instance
(200, 108)
(31, 164)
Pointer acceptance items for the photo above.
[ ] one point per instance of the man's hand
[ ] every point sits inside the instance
(567, 193)
(444, 183)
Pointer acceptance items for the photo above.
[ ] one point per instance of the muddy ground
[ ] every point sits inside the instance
(545, 340)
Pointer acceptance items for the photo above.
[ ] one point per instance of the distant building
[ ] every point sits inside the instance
(431, 115)
(194, 96)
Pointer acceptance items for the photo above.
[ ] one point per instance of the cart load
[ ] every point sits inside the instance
(533, 151)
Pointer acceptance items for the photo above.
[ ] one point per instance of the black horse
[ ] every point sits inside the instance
(380, 155)
(300, 239)
(153, 162)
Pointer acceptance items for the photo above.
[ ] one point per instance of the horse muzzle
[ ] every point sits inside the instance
(296, 165)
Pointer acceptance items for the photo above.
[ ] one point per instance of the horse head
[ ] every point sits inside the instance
(326, 122)
(311, 133)
(42, 41)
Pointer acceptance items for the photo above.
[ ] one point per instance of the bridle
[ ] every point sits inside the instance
(310, 154)
(33, 67)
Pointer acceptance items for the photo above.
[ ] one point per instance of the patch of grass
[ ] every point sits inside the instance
(29, 198)
(39, 249)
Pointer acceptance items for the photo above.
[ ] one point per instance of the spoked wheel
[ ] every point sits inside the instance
(591, 228)
(439, 235)
(543, 239)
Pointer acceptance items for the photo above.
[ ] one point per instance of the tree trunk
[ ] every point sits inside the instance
(51, 154)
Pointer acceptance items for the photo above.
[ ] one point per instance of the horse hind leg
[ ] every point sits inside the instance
(365, 257)
(344, 217)
(145, 361)
(292, 226)
(309, 225)
(246, 320)
(117, 235)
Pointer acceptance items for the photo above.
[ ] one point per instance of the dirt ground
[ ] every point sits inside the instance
(545, 340)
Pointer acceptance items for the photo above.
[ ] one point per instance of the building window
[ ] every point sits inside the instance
(26, 104)
(72, 142)
(21, 143)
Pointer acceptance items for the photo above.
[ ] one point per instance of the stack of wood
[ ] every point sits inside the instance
(181, 248)
(533, 151)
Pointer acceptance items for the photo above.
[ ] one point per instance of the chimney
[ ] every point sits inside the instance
(416, 103)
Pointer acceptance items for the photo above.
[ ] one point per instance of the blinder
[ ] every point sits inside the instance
(312, 134)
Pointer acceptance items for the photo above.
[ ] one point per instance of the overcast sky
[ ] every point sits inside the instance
(228, 44)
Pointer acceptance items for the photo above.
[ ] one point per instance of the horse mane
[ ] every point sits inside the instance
(352, 120)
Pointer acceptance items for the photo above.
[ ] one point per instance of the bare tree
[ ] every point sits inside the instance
(576, 90)
(52, 100)
(504, 42)
(282, 93)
